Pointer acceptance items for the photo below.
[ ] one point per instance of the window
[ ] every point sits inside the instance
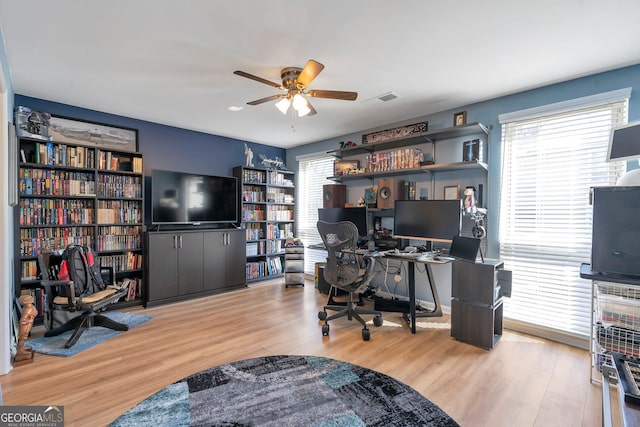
(312, 175)
(552, 157)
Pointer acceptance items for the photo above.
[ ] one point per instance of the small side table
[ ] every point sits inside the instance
(293, 266)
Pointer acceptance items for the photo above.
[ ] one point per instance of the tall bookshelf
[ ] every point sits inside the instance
(78, 194)
(267, 212)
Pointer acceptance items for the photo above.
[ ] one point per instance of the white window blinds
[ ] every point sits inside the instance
(551, 158)
(312, 175)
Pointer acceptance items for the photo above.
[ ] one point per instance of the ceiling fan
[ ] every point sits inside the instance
(295, 82)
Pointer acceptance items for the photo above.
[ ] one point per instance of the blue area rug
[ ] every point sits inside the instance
(287, 391)
(54, 346)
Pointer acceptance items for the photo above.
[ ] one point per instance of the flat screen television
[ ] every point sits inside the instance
(358, 216)
(188, 198)
(431, 220)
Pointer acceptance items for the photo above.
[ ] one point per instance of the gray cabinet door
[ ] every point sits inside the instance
(190, 261)
(163, 266)
(236, 254)
(224, 263)
(215, 260)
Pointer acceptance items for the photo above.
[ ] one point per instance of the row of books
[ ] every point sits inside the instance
(254, 176)
(55, 212)
(78, 186)
(252, 193)
(281, 214)
(119, 186)
(126, 191)
(280, 196)
(279, 231)
(48, 232)
(402, 158)
(29, 270)
(122, 262)
(36, 246)
(277, 178)
(253, 215)
(60, 155)
(259, 269)
(119, 162)
(253, 231)
(119, 211)
(118, 242)
(134, 288)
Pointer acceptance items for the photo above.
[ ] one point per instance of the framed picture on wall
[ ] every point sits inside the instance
(452, 192)
(460, 119)
(72, 131)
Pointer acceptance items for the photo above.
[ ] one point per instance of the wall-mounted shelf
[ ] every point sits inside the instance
(426, 137)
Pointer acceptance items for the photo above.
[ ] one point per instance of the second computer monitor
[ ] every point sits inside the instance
(358, 216)
(431, 220)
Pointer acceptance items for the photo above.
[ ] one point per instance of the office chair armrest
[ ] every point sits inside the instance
(50, 285)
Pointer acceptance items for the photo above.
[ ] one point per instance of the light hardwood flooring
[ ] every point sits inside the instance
(523, 381)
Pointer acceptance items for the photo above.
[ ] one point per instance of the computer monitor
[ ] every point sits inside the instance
(358, 216)
(624, 143)
(431, 220)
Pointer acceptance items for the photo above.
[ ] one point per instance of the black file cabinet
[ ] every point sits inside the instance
(477, 291)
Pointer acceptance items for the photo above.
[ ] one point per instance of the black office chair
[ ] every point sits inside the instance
(343, 271)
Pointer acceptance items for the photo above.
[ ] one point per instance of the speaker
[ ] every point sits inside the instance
(334, 195)
(389, 190)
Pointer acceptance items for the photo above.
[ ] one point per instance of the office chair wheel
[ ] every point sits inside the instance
(377, 321)
(366, 334)
(322, 315)
(325, 330)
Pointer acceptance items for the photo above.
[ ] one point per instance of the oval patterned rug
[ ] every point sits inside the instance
(287, 391)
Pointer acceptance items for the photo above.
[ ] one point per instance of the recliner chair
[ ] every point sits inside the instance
(344, 271)
(65, 311)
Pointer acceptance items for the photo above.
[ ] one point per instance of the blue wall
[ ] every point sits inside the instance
(166, 147)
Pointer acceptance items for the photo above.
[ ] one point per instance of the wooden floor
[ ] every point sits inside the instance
(524, 381)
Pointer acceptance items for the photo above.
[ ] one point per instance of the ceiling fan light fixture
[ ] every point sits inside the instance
(283, 105)
(299, 102)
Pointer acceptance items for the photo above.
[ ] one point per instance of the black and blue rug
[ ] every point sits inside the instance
(287, 391)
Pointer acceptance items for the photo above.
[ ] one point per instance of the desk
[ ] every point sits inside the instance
(411, 279)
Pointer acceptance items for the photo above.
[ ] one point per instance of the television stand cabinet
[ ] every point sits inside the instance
(184, 264)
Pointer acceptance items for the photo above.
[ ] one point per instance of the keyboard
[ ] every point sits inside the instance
(393, 252)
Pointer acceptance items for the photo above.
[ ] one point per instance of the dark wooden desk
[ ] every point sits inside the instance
(411, 280)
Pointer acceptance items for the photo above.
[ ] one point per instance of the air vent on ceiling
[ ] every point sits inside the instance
(387, 96)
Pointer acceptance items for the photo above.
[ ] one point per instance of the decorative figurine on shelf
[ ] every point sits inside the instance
(248, 155)
(347, 144)
(361, 202)
(29, 313)
(469, 202)
(272, 163)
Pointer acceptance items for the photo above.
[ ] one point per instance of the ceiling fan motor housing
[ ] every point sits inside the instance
(289, 76)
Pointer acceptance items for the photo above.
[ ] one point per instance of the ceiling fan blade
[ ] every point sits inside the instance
(267, 99)
(309, 72)
(256, 78)
(334, 94)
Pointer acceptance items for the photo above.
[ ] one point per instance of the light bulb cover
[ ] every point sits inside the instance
(299, 102)
(283, 105)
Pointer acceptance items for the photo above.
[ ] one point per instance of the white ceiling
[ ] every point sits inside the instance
(172, 62)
